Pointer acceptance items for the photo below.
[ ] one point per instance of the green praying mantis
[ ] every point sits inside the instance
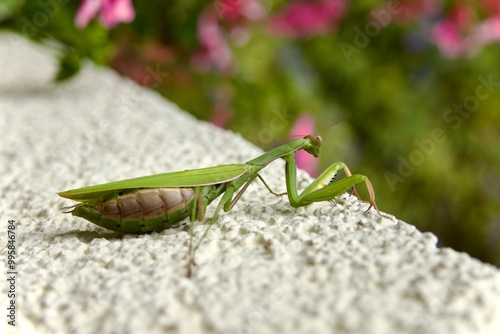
(156, 202)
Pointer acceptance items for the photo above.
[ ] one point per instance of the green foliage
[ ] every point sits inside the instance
(52, 22)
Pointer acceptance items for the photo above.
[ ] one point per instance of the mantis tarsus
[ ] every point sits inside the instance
(156, 202)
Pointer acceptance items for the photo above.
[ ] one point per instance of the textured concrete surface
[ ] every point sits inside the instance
(263, 268)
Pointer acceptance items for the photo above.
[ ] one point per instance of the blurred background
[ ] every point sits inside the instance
(413, 87)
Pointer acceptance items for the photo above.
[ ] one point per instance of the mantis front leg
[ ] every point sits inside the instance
(323, 189)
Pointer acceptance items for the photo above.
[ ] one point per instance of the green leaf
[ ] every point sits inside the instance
(69, 65)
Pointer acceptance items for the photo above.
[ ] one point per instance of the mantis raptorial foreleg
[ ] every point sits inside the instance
(322, 188)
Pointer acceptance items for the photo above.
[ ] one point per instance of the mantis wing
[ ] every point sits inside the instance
(187, 178)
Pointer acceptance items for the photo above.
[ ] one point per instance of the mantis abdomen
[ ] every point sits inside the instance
(140, 211)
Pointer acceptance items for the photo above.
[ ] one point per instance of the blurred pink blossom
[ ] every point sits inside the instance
(214, 49)
(304, 125)
(415, 9)
(233, 10)
(221, 114)
(223, 21)
(112, 12)
(301, 18)
(485, 32)
(460, 34)
(492, 6)
(446, 35)
(212, 37)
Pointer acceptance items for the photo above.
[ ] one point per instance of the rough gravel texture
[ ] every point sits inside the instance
(265, 267)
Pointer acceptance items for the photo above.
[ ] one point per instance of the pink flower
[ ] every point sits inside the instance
(492, 6)
(233, 10)
(214, 49)
(213, 35)
(414, 9)
(446, 36)
(304, 125)
(112, 12)
(221, 114)
(485, 32)
(459, 34)
(300, 18)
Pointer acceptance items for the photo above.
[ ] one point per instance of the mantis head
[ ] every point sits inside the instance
(314, 145)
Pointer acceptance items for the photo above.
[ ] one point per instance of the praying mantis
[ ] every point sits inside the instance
(156, 202)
